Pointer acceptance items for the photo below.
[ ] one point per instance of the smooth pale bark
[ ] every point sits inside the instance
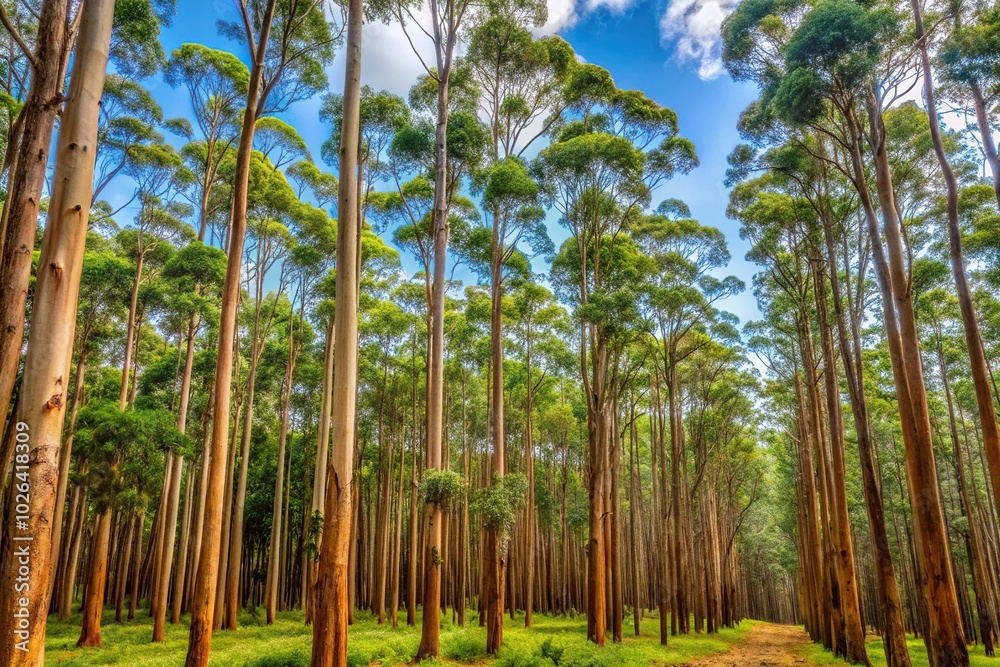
(227, 501)
(162, 580)
(634, 490)
(130, 326)
(65, 457)
(614, 529)
(274, 552)
(986, 135)
(397, 552)
(493, 559)
(331, 602)
(678, 525)
(235, 560)
(463, 535)
(411, 566)
(53, 321)
(28, 157)
(383, 503)
(203, 602)
(199, 515)
(322, 460)
(430, 635)
(181, 573)
(529, 467)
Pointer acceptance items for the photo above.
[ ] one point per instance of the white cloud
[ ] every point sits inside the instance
(693, 27)
(613, 6)
(562, 15)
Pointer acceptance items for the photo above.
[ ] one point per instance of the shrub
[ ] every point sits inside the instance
(292, 658)
(508, 656)
(553, 653)
(250, 616)
(464, 647)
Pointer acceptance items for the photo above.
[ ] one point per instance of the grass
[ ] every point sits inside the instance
(816, 655)
(550, 642)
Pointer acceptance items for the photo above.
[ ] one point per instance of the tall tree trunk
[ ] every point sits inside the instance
(493, 556)
(65, 456)
(529, 471)
(30, 156)
(430, 635)
(274, 551)
(981, 581)
(397, 552)
(97, 573)
(973, 339)
(946, 640)
(236, 530)
(203, 602)
(893, 628)
(162, 582)
(49, 354)
(181, 573)
(986, 135)
(319, 474)
(124, 561)
(130, 325)
(850, 601)
(332, 603)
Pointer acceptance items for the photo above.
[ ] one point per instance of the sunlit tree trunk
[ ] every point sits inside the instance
(331, 609)
(850, 601)
(203, 602)
(493, 558)
(274, 551)
(989, 428)
(893, 628)
(946, 637)
(53, 320)
(162, 581)
(28, 157)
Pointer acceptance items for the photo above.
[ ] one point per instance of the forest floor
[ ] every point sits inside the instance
(764, 645)
(550, 642)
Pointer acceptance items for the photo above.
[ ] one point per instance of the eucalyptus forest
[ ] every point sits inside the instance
(346, 332)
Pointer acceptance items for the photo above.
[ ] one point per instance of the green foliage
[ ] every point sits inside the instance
(497, 506)
(122, 449)
(290, 658)
(548, 650)
(464, 647)
(135, 43)
(509, 656)
(442, 487)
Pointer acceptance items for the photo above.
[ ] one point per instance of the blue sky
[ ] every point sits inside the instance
(668, 50)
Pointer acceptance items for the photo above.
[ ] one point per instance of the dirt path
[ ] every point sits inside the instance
(765, 645)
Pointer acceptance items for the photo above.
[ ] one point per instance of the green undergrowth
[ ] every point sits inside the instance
(816, 656)
(550, 642)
